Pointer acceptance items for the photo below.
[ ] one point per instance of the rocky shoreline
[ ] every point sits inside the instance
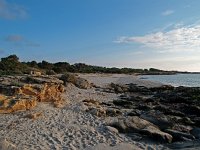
(115, 113)
(163, 114)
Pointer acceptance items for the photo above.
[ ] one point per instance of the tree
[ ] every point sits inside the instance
(11, 65)
(61, 67)
(45, 65)
(32, 64)
(11, 58)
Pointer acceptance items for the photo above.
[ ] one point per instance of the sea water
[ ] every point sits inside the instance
(189, 80)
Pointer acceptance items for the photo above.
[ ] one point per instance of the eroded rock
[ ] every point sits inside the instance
(77, 81)
(26, 96)
(135, 124)
(180, 136)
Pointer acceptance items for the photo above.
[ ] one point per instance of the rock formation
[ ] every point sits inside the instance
(25, 96)
(77, 81)
(164, 114)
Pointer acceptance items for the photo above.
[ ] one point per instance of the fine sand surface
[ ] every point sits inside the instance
(104, 79)
(70, 127)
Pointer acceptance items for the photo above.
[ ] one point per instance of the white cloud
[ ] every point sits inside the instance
(177, 39)
(167, 12)
(11, 10)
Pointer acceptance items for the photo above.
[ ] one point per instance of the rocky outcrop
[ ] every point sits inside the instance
(159, 120)
(137, 125)
(77, 81)
(20, 104)
(100, 109)
(94, 107)
(164, 114)
(26, 96)
(180, 136)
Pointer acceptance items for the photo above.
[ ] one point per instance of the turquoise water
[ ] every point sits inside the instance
(190, 80)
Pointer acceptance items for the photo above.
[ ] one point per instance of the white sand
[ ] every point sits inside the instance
(69, 127)
(104, 79)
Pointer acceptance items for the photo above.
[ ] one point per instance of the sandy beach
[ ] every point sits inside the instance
(100, 75)
(69, 127)
(104, 79)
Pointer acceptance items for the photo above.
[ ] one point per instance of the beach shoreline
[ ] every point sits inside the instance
(85, 119)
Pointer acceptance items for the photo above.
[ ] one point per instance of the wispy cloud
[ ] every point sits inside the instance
(1, 51)
(177, 39)
(14, 38)
(18, 39)
(167, 12)
(12, 10)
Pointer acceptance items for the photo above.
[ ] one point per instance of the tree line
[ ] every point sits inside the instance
(11, 65)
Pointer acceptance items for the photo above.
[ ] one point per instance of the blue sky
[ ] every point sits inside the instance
(164, 34)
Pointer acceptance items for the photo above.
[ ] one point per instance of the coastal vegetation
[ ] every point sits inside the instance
(11, 65)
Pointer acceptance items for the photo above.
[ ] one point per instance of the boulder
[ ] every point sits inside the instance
(94, 108)
(135, 124)
(83, 83)
(119, 88)
(77, 81)
(112, 129)
(180, 136)
(158, 119)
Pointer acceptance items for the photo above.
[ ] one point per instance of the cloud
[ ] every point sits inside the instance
(12, 10)
(167, 12)
(14, 38)
(19, 40)
(1, 51)
(177, 39)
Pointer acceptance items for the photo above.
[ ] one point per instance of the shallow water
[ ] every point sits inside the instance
(189, 80)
